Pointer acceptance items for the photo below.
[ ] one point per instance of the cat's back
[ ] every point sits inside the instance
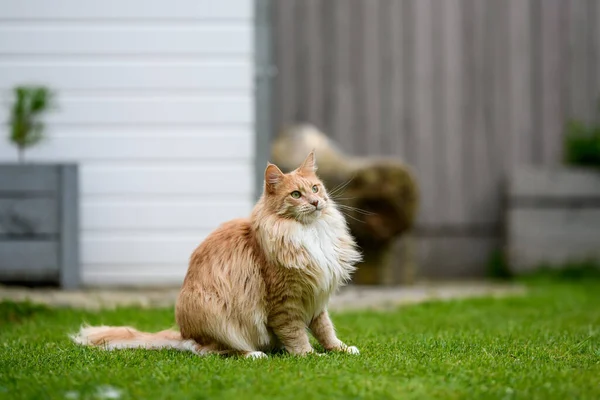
(229, 251)
(223, 294)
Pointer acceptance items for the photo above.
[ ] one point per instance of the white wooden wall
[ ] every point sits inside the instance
(155, 103)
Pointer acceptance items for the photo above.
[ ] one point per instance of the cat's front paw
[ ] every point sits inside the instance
(342, 348)
(255, 354)
(351, 350)
(302, 352)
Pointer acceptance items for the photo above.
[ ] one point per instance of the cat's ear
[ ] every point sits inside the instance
(273, 176)
(309, 166)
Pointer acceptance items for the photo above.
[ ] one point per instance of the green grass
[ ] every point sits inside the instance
(544, 345)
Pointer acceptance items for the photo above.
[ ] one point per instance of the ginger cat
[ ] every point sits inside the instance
(255, 285)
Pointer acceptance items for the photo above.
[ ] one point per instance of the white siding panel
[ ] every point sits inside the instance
(198, 215)
(214, 179)
(140, 251)
(155, 104)
(150, 110)
(119, 40)
(194, 145)
(134, 275)
(128, 76)
(126, 9)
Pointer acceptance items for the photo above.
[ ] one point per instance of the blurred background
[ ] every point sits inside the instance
(165, 113)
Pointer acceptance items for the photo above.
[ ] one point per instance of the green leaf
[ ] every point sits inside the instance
(30, 103)
(582, 144)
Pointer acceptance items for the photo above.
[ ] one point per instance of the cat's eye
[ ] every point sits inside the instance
(296, 194)
(315, 189)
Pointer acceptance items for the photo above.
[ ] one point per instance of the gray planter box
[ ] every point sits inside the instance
(39, 224)
(553, 217)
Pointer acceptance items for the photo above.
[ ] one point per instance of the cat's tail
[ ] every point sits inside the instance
(125, 337)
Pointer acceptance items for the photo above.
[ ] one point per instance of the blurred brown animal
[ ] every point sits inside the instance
(379, 196)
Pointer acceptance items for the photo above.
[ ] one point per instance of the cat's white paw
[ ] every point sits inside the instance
(255, 355)
(352, 350)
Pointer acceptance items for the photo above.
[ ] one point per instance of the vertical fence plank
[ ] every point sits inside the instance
(425, 163)
(371, 76)
(303, 54)
(552, 65)
(396, 130)
(536, 81)
(499, 150)
(386, 75)
(578, 73)
(493, 149)
(520, 102)
(408, 81)
(437, 139)
(356, 137)
(596, 48)
(316, 41)
(481, 210)
(470, 112)
(327, 58)
(565, 68)
(285, 53)
(342, 88)
(436, 112)
(454, 96)
(591, 60)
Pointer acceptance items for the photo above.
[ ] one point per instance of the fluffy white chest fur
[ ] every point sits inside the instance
(321, 241)
(321, 250)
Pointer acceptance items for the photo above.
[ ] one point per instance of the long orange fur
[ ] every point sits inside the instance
(257, 284)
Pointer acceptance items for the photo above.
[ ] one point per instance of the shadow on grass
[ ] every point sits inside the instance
(15, 313)
(499, 268)
(570, 271)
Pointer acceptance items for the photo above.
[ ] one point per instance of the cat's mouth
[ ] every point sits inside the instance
(310, 215)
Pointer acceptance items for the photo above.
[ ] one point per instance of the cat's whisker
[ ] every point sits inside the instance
(336, 188)
(338, 192)
(342, 198)
(356, 209)
(351, 217)
(361, 212)
(339, 188)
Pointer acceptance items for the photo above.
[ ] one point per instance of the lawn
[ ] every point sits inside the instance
(543, 345)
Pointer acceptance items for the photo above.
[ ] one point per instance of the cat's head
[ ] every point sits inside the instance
(299, 195)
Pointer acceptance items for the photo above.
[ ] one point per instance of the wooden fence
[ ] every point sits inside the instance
(463, 90)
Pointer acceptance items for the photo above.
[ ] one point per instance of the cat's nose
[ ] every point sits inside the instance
(315, 203)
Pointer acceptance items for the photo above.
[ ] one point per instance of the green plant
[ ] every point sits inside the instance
(497, 266)
(582, 144)
(29, 105)
(573, 270)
